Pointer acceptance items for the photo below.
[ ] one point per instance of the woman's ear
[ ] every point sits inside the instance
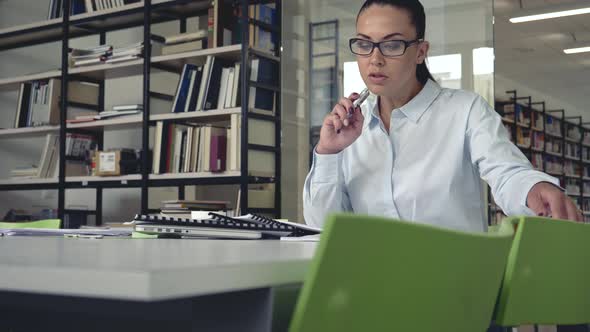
(422, 52)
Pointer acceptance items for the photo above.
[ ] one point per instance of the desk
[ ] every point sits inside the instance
(152, 285)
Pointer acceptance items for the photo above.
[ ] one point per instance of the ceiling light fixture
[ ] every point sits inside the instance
(547, 15)
(576, 50)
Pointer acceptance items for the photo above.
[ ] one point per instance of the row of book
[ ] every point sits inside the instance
(104, 54)
(554, 146)
(573, 150)
(187, 148)
(38, 102)
(190, 148)
(553, 165)
(84, 6)
(77, 146)
(572, 186)
(572, 168)
(216, 85)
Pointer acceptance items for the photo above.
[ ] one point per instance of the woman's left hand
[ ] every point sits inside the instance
(547, 200)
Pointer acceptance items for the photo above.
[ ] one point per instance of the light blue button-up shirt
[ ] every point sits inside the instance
(427, 168)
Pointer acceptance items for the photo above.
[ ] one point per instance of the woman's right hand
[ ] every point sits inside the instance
(338, 130)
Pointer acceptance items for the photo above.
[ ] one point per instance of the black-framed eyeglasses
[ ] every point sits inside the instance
(389, 48)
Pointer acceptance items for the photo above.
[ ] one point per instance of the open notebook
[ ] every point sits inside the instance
(250, 226)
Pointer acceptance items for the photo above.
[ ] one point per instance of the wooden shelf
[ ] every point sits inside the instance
(507, 120)
(28, 181)
(536, 149)
(554, 154)
(118, 121)
(522, 125)
(129, 68)
(572, 158)
(537, 129)
(554, 173)
(122, 121)
(31, 33)
(572, 140)
(170, 61)
(131, 15)
(171, 176)
(13, 83)
(27, 131)
(211, 115)
(87, 179)
(573, 176)
(554, 135)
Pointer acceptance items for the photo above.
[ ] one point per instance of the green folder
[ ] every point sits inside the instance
(40, 224)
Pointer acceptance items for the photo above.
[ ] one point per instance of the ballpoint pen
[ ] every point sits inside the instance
(362, 97)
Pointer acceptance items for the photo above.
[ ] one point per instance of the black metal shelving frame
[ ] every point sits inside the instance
(312, 73)
(565, 122)
(146, 14)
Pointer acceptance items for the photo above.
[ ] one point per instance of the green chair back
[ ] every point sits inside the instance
(376, 274)
(547, 278)
(44, 224)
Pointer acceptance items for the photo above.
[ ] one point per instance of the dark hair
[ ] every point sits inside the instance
(418, 17)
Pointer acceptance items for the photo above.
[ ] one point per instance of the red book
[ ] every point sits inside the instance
(218, 150)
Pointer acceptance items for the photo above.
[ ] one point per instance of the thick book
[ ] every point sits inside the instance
(182, 90)
(214, 82)
(217, 160)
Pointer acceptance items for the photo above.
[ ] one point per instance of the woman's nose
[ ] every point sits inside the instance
(377, 58)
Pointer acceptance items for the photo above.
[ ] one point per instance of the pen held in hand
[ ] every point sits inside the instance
(357, 103)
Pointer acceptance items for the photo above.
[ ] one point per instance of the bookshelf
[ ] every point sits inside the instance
(145, 14)
(556, 144)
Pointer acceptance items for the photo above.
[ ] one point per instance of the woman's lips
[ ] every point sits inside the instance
(377, 78)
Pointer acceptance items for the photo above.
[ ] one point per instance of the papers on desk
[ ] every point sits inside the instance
(305, 238)
(85, 232)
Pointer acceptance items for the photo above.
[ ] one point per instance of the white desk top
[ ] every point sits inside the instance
(148, 270)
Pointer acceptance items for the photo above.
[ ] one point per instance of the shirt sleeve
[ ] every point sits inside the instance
(324, 191)
(501, 163)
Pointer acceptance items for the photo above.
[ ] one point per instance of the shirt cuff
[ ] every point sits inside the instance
(527, 184)
(326, 168)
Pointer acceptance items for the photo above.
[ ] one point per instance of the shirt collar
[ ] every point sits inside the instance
(414, 109)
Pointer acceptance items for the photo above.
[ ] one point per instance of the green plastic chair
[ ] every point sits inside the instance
(547, 278)
(376, 274)
(40, 224)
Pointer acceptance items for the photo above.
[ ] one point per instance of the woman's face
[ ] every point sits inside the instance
(388, 76)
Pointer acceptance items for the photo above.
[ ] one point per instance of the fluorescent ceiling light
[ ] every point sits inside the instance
(555, 14)
(576, 50)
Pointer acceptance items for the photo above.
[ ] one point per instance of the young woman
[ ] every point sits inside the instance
(414, 150)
